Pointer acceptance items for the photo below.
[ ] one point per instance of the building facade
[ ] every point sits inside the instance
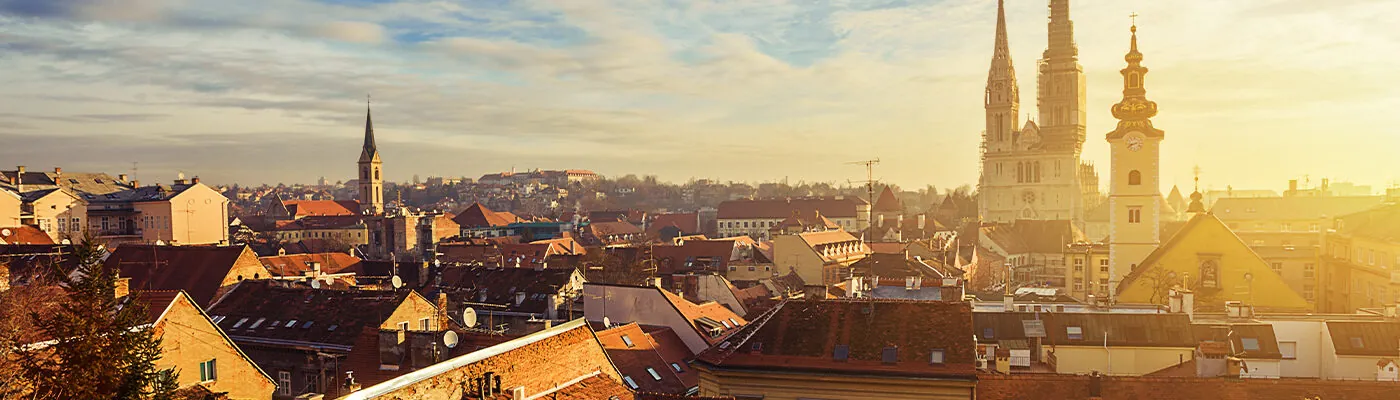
(755, 218)
(1033, 170)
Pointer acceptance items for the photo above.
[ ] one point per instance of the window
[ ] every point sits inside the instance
(239, 323)
(403, 326)
(1309, 270)
(1308, 292)
(1289, 350)
(1074, 332)
(1313, 227)
(207, 371)
(841, 352)
(653, 373)
(291, 324)
(1249, 344)
(284, 383)
(627, 340)
(676, 367)
(1277, 267)
(1134, 178)
(889, 355)
(313, 382)
(726, 324)
(423, 324)
(936, 356)
(987, 333)
(1134, 215)
(630, 383)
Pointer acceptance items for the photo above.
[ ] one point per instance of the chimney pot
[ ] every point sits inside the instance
(195, 180)
(58, 170)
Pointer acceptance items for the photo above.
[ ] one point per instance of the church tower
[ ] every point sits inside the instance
(1060, 96)
(1002, 101)
(371, 182)
(1134, 186)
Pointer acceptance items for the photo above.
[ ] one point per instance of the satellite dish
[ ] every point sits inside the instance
(469, 317)
(5, 232)
(160, 242)
(397, 281)
(330, 281)
(607, 323)
(315, 283)
(449, 339)
(65, 241)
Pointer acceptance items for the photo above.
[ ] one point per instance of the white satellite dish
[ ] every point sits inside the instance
(397, 282)
(330, 281)
(469, 317)
(65, 241)
(449, 339)
(607, 323)
(160, 243)
(315, 283)
(5, 232)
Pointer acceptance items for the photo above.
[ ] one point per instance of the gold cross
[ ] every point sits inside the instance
(1134, 16)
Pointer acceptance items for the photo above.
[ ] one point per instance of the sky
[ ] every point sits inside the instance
(1255, 92)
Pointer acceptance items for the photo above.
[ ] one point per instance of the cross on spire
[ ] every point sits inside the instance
(1133, 16)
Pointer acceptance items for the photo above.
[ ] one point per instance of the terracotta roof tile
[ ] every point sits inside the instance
(24, 235)
(321, 208)
(640, 351)
(832, 207)
(198, 270)
(478, 216)
(299, 264)
(888, 202)
(266, 310)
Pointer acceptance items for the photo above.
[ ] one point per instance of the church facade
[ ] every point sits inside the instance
(1032, 169)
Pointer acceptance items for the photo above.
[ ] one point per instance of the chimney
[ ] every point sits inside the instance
(814, 292)
(1095, 385)
(1174, 302)
(1008, 302)
(1292, 186)
(1390, 311)
(123, 288)
(1188, 303)
(1003, 358)
(551, 307)
(921, 222)
(1238, 310)
(194, 181)
(135, 183)
(121, 178)
(58, 171)
(19, 179)
(442, 311)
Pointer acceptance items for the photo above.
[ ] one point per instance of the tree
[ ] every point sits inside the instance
(101, 346)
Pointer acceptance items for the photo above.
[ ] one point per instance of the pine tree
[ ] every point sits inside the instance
(101, 347)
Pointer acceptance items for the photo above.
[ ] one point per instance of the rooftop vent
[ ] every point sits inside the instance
(890, 355)
(841, 353)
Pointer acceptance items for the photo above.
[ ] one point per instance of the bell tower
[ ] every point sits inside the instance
(371, 181)
(1134, 187)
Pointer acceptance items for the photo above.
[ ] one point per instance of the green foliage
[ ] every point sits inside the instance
(99, 347)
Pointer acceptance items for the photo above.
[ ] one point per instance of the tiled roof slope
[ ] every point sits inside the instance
(304, 208)
(198, 270)
(24, 235)
(266, 310)
(1142, 330)
(694, 313)
(1376, 338)
(297, 264)
(804, 336)
(888, 202)
(478, 216)
(686, 222)
(1265, 341)
(1290, 207)
(639, 351)
(496, 285)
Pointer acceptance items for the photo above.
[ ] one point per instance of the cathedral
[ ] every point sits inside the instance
(1032, 169)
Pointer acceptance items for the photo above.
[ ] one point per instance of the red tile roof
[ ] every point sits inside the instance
(198, 270)
(1078, 387)
(698, 314)
(806, 336)
(832, 207)
(478, 216)
(694, 255)
(305, 208)
(299, 264)
(320, 222)
(333, 317)
(686, 222)
(632, 360)
(604, 229)
(24, 235)
(887, 202)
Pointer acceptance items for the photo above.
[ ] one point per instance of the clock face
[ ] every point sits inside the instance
(1134, 143)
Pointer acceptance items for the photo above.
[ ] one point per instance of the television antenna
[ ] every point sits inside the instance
(869, 189)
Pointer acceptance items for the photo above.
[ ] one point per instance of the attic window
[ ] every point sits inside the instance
(732, 321)
(1074, 332)
(217, 319)
(307, 325)
(890, 355)
(239, 323)
(274, 324)
(332, 327)
(630, 383)
(653, 373)
(291, 324)
(726, 324)
(936, 356)
(627, 340)
(1357, 343)
(73, 181)
(1249, 344)
(676, 367)
(841, 353)
(255, 324)
(987, 333)
(756, 347)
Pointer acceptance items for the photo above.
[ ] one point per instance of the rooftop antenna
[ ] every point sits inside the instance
(869, 190)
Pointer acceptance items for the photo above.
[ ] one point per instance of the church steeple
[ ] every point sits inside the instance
(1061, 33)
(1135, 111)
(1001, 78)
(369, 151)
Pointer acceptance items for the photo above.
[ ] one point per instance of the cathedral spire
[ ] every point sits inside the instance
(1061, 33)
(369, 151)
(1135, 111)
(1001, 78)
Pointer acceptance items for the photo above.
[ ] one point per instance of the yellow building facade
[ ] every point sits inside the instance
(1206, 257)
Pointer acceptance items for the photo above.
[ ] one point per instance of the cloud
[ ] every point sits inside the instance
(350, 31)
(89, 10)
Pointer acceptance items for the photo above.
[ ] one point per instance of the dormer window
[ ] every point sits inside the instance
(1074, 332)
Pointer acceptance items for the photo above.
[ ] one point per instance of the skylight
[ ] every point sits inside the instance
(890, 355)
(676, 367)
(332, 327)
(291, 324)
(1074, 332)
(726, 324)
(1250, 344)
(653, 373)
(630, 383)
(936, 356)
(239, 323)
(627, 340)
(217, 319)
(1357, 343)
(307, 325)
(841, 353)
(255, 324)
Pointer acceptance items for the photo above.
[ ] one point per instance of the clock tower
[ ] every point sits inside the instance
(1134, 200)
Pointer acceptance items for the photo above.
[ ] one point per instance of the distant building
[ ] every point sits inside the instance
(820, 258)
(651, 359)
(1361, 256)
(68, 205)
(203, 272)
(698, 325)
(754, 218)
(553, 177)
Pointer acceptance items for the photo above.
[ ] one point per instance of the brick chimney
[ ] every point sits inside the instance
(58, 171)
(442, 311)
(19, 179)
(194, 181)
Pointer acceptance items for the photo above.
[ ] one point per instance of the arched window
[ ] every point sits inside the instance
(1037, 171)
(1134, 80)
(1134, 178)
(1020, 172)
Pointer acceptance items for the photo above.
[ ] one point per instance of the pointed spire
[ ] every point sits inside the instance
(1001, 77)
(369, 151)
(1061, 33)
